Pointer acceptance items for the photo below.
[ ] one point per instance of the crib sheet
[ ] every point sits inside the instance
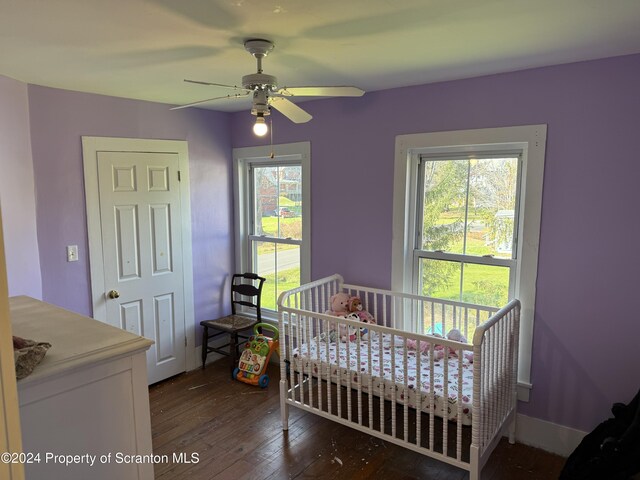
(312, 357)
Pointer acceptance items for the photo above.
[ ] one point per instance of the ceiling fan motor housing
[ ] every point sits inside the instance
(260, 105)
(260, 81)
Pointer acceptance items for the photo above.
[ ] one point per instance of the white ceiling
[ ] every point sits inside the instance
(143, 49)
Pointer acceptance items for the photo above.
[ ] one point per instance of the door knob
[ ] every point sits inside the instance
(113, 294)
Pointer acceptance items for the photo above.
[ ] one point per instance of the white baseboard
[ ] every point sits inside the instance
(547, 436)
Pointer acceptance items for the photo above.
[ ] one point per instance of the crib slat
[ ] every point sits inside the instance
(459, 395)
(339, 382)
(382, 381)
(308, 327)
(433, 317)
(405, 369)
(418, 390)
(348, 374)
(466, 322)
(357, 375)
(328, 363)
(300, 337)
(292, 367)
(445, 406)
(431, 398)
(455, 318)
(384, 311)
(370, 373)
(494, 367)
(317, 332)
(375, 306)
(393, 384)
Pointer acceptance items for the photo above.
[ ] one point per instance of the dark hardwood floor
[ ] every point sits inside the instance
(234, 429)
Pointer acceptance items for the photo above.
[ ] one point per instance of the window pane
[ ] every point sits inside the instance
(492, 203)
(440, 279)
(485, 285)
(278, 201)
(481, 284)
(280, 265)
(265, 187)
(469, 206)
(445, 186)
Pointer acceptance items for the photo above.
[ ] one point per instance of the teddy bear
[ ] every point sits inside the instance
(339, 305)
(355, 307)
(354, 304)
(343, 305)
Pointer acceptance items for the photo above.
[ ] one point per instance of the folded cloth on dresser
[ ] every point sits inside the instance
(27, 354)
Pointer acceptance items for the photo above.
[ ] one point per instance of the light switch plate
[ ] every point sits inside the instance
(72, 253)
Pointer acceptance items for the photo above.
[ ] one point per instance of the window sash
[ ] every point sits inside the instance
(252, 166)
(461, 258)
(266, 238)
(510, 263)
(419, 221)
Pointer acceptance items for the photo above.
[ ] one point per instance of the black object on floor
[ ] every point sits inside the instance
(612, 450)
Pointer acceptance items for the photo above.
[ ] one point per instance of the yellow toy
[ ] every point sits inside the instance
(253, 362)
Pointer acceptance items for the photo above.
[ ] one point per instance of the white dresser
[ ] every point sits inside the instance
(88, 397)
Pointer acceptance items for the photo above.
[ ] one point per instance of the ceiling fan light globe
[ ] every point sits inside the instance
(260, 128)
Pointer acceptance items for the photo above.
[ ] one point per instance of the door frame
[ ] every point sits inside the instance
(10, 432)
(90, 148)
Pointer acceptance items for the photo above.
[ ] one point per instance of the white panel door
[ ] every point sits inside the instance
(142, 253)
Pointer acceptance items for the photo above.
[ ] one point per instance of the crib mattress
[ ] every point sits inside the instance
(312, 358)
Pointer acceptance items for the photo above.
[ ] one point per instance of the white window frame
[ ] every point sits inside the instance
(531, 141)
(243, 159)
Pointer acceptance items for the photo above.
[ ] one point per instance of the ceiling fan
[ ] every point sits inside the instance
(265, 93)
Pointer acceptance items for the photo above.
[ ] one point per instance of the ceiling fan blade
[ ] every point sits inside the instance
(290, 110)
(343, 91)
(199, 82)
(237, 95)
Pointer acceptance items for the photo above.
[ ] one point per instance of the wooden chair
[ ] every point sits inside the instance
(245, 293)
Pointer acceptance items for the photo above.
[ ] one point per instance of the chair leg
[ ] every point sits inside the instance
(233, 341)
(205, 343)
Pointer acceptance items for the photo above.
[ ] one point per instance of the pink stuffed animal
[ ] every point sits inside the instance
(365, 317)
(457, 336)
(438, 350)
(413, 345)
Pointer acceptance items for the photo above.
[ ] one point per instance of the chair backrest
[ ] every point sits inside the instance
(243, 287)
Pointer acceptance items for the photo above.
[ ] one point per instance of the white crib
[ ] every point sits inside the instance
(396, 381)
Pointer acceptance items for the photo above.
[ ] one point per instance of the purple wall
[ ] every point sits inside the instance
(586, 323)
(58, 120)
(17, 193)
